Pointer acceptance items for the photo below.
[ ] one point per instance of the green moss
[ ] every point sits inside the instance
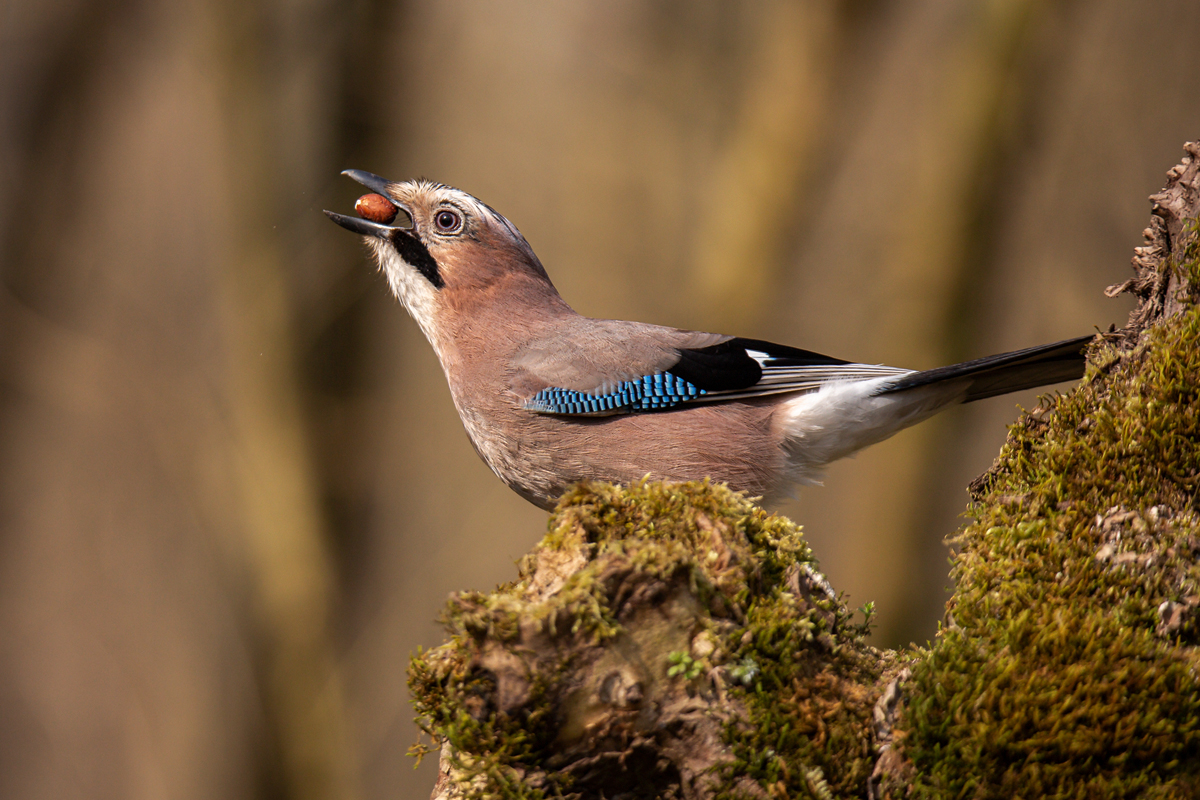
(777, 646)
(809, 687)
(1055, 677)
(1187, 266)
(452, 697)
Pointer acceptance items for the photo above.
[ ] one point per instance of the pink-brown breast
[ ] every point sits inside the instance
(541, 455)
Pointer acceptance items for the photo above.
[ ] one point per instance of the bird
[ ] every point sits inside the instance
(550, 398)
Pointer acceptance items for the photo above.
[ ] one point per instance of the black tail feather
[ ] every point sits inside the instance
(1006, 372)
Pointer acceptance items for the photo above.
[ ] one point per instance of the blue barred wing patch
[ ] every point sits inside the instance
(649, 393)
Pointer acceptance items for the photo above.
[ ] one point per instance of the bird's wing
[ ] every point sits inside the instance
(780, 369)
(611, 367)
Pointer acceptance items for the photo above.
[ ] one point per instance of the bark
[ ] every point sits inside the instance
(1158, 287)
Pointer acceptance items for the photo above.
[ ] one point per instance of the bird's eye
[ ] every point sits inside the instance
(447, 221)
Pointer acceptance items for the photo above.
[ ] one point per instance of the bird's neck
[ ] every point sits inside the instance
(497, 320)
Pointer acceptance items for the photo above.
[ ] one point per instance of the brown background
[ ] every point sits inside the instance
(234, 491)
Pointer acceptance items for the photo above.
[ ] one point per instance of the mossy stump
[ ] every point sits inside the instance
(663, 640)
(676, 641)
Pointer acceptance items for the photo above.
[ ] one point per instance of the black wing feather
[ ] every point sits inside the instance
(728, 367)
(1006, 372)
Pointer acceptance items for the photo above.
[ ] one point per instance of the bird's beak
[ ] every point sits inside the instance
(371, 181)
(363, 226)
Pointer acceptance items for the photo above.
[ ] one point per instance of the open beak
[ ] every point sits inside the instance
(362, 226)
(373, 182)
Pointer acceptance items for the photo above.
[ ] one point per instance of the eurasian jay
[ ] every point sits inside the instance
(549, 397)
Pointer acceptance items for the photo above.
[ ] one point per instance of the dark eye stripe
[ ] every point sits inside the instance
(417, 255)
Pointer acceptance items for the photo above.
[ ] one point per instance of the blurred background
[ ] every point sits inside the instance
(234, 492)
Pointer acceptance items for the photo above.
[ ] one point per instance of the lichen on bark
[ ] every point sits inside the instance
(676, 641)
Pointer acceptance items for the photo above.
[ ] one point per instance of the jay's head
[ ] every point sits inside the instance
(451, 254)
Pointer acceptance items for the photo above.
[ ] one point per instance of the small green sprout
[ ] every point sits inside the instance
(868, 611)
(683, 664)
(745, 671)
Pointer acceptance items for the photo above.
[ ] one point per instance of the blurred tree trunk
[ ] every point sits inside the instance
(168, 590)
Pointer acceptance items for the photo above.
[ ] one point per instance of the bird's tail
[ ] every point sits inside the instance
(1003, 373)
(843, 417)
